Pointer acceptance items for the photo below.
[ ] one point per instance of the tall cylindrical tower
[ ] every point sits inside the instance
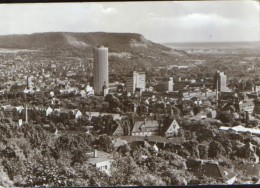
(100, 68)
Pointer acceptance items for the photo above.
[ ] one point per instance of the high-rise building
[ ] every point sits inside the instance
(170, 84)
(136, 81)
(100, 68)
(165, 85)
(220, 80)
(29, 82)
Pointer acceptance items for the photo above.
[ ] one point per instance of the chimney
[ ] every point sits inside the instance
(95, 153)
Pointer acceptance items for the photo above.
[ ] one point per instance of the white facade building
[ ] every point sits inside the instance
(137, 81)
(49, 111)
(170, 84)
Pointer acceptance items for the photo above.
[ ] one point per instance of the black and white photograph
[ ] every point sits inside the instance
(141, 93)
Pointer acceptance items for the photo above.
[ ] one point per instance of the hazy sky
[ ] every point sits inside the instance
(158, 21)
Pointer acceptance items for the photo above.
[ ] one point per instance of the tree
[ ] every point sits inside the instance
(105, 143)
(124, 171)
(203, 151)
(226, 117)
(192, 147)
(215, 149)
(141, 110)
(113, 102)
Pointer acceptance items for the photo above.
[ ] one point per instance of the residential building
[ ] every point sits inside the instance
(210, 169)
(247, 106)
(220, 81)
(49, 111)
(145, 127)
(101, 160)
(136, 81)
(171, 129)
(119, 131)
(97, 114)
(241, 129)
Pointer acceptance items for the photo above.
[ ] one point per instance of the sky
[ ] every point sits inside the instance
(165, 21)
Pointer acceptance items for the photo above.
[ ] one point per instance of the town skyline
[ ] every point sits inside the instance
(117, 108)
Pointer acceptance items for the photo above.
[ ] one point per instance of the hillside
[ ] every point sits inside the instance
(116, 42)
(126, 50)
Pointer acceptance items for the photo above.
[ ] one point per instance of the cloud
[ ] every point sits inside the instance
(108, 10)
(158, 21)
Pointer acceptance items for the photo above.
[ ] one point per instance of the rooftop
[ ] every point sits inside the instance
(241, 128)
(154, 138)
(101, 157)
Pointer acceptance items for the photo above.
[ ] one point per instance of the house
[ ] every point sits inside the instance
(160, 141)
(30, 91)
(92, 114)
(83, 93)
(119, 131)
(247, 105)
(49, 111)
(199, 116)
(210, 169)
(97, 114)
(145, 127)
(171, 129)
(19, 109)
(51, 94)
(101, 160)
(241, 129)
(8, 110)
(78, 114)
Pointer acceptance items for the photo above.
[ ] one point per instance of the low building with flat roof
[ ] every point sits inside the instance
(101, 160)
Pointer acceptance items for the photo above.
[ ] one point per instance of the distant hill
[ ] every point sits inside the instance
(117, 42)
(126, 50)
(214, 45)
